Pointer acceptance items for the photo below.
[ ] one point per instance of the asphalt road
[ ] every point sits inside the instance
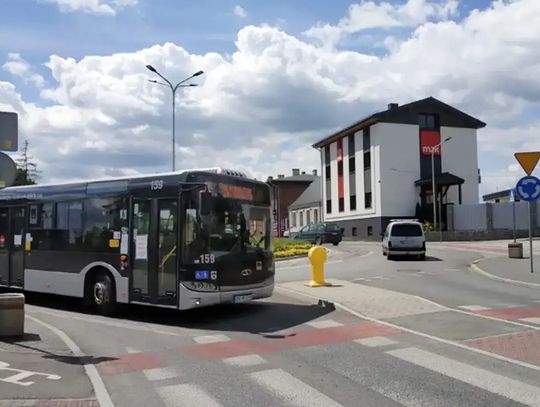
(289, 351)
(444, 277)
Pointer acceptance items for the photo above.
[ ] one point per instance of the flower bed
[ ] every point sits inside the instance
(289, 248)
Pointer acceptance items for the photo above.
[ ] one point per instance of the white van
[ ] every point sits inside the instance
(404, 238)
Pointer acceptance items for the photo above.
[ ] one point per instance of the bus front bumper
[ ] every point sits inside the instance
(195, 299)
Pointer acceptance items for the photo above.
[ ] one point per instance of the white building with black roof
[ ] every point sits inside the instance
(379, 168)
(307, 209)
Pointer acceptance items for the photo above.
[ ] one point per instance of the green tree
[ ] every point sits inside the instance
(27, 172)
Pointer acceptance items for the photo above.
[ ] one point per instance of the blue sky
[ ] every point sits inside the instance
(38, 29)
(257, 63)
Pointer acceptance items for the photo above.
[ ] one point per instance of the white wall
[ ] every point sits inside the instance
(360, 211)
(303, 213)
(399, 167)
(459, 157)
(395, 166)
(333, 178)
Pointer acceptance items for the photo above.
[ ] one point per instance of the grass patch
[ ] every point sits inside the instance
(289, 247)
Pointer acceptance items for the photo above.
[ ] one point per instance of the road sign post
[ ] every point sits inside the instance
(528, 189)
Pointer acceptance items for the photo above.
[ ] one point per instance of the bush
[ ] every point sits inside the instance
(281, 245)
(291, 252)
(428, 227)
(288, 248)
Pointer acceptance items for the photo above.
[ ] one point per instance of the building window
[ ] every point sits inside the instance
(352, 148)
(328, 206)
(428, 121)
(315, 215)
(293, 219)
(353, 202)
(301, 218)
(327, 162)
(367, 200)
(367, 160)
(366, 139)
(370, 230)
(354, 231)
(341, 204)
(340, 168)
(308, 217)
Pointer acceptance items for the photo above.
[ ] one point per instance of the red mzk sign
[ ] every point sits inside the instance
(428, 140)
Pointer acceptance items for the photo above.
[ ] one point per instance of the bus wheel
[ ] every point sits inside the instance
(102, 294)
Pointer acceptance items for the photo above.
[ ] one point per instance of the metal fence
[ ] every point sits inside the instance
(494, 216)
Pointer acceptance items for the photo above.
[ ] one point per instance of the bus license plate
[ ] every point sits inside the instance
(242, 298)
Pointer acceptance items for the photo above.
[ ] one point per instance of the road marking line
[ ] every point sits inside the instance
(325, 323)
(103, 397)
(245, 361)
(379, 278)
(129, 349)
(375, 341)
(452, 269)
(428, 336)
(160, 373)
(211, 338)
(290, 390)
(532, 320)
(186, 395)
(482, 378)
(474, 307)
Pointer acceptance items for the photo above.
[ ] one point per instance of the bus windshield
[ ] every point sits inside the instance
(232, 226)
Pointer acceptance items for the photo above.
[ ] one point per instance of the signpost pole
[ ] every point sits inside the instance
(530, 238)
(514, 219)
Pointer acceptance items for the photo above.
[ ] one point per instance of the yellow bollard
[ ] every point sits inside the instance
(317, 257)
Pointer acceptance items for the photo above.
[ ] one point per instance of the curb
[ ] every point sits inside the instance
(280, 259)
(91, 402)
(474, 267)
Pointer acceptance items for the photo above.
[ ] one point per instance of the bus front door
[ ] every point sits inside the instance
(16, 246)
(154, 248)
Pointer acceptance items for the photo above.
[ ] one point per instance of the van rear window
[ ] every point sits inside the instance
(406, 230)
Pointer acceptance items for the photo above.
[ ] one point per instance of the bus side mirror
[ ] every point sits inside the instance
(206, 203)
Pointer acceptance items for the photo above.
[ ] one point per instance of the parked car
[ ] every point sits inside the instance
(404, 238)
(291, 232)
(320, 233)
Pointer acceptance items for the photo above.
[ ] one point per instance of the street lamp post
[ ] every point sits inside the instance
(433, 187)
(173, 91)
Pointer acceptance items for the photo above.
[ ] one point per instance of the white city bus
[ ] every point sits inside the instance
(181, 240)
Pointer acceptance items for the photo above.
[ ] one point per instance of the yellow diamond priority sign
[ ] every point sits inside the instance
(528, 160)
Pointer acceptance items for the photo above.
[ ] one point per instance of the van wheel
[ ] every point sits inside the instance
(383, 252)
(390, 256)
(318, 241)
(103, 297)
(422, 257)
(335, 243)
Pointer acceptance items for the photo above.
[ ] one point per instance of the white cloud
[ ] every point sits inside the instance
(368, 14)
(18, 66)
(100, 7)
(260, 109)
(239, 11)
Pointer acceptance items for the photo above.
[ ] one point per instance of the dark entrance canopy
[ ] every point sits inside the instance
(444, 179)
